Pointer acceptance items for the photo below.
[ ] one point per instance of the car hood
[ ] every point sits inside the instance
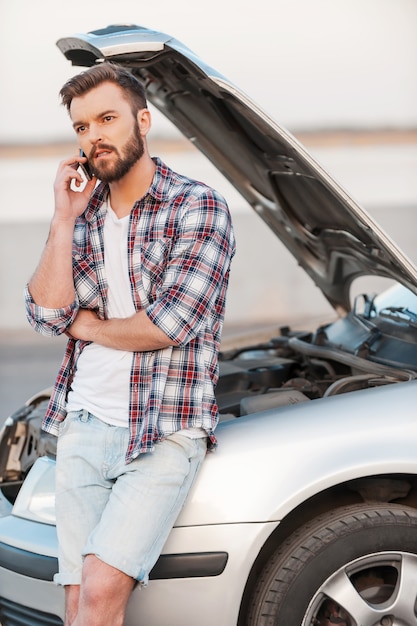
(329, 234)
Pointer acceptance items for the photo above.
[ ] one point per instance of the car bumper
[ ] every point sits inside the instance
(198, 563)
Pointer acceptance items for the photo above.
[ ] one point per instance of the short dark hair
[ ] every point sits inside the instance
(106, 72)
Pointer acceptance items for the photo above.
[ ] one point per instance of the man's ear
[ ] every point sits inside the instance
(144, 121)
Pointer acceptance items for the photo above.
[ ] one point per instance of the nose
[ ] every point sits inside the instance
(94, 134)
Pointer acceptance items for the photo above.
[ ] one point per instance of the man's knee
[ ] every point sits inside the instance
(99, 580)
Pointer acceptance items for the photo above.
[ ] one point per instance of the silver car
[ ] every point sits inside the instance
(307, 512)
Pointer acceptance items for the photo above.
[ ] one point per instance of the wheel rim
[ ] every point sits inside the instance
(379, 589)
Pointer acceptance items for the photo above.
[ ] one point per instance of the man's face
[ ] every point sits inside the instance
(107, 131)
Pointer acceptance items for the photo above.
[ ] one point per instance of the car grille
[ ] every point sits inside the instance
(12, 614)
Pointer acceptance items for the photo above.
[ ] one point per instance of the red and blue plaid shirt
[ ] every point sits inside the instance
(180, 246)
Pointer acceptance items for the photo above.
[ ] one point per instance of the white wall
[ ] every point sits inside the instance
(309, 63)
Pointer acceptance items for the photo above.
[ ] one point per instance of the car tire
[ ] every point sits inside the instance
(353, 566)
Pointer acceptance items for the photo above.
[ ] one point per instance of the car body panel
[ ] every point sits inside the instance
(270, 443)
(39, 595)
(273, 440)
(201, 592)
(28, 535)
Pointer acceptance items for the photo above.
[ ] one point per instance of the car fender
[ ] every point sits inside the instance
(267, 464)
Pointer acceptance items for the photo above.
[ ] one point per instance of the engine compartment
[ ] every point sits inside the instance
(353, 353)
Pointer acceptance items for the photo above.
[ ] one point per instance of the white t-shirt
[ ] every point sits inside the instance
(101, 382)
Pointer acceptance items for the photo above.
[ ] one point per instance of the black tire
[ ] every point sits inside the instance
(355, 566)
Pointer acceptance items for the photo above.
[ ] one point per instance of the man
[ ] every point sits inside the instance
(135, 272)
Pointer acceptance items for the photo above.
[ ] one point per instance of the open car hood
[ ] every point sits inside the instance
(331, 237)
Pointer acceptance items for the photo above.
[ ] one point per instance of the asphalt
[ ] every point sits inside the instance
(28, 364)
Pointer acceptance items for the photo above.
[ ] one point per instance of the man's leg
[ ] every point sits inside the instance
(81, 496)
(137, 513)
(72, 594)
(102, 598)
(145, 501)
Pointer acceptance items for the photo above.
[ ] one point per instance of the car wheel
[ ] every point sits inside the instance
(355, 566)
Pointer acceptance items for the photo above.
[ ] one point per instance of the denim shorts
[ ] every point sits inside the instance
(122, 513)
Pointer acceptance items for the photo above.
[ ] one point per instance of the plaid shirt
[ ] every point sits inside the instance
(180, 246)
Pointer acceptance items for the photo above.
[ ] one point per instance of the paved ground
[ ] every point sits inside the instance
(28, 364)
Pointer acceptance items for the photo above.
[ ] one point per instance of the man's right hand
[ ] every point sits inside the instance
(71, 198)
(52, 284)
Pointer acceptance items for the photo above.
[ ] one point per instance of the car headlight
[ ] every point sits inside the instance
(36, 498)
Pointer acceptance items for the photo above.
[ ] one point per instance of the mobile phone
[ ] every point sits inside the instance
(85, 167)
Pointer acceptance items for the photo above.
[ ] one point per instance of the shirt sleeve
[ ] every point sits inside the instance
(197, 270)
(49, 322)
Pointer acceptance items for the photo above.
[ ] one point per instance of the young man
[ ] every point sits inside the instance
(135, 272)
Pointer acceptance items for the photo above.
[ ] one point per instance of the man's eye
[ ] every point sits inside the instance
(108, 118)
(80, 129)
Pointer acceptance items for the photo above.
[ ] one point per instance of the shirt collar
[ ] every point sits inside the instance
(161, 183)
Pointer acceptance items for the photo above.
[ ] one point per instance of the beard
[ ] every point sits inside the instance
(131, 152)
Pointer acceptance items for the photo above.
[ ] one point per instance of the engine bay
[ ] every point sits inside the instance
(355, 352)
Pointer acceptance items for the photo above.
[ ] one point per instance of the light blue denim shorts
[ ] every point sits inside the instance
(122, 513)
